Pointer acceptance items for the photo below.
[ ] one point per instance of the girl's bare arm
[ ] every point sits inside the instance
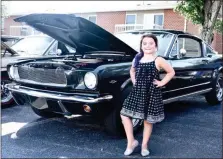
(162, 63)
(132, 75)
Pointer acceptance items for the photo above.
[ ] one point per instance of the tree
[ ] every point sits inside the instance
(203, 12)
(219, 26)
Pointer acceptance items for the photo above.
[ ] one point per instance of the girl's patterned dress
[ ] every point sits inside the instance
(145, 100)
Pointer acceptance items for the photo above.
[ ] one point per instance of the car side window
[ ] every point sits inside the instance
(189, 47)
(53, 49)
(209, 50)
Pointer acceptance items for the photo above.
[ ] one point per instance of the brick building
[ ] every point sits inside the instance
(140, 17)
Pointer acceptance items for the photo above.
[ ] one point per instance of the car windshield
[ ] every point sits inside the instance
(133, 40)
(35, 45)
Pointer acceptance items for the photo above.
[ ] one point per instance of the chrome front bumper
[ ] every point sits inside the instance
(77, 98)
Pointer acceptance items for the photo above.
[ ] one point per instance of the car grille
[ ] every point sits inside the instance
(42, 76)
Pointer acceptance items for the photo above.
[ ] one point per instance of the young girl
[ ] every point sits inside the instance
(145, 101)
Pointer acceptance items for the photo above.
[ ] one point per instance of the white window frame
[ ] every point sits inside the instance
(93, 15)
(131, 14)
(158, 14)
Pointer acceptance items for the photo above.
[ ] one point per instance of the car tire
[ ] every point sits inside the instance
(45, 114)
(6, 97)
(215, 96)
(113, 123)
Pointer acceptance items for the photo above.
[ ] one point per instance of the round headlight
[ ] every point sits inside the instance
(90, 80)
(13, 73)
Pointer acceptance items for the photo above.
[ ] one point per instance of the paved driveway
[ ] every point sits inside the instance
(191, 129)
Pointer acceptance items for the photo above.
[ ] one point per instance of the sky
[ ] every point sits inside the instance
(16, 7)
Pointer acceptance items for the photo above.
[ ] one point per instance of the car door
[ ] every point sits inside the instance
(188, 61)
(209, 57)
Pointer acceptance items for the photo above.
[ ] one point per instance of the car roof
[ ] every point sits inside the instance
(38, 35)
(10, 37)
(158, 30)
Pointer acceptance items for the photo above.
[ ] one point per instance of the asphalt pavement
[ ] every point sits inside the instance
(191, 129)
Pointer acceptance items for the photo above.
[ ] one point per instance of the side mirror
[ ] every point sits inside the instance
(59, 51)
(183, 52)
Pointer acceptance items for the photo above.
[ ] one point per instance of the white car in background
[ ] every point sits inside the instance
(29, 47)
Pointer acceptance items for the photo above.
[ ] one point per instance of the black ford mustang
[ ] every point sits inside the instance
(95, 80)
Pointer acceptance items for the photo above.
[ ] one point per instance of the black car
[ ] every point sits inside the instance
(29, 47)
(97, 82)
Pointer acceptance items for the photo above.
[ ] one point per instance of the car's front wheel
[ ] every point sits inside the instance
(113, 122)
(215, 96)
(45, 113)
(6, 97)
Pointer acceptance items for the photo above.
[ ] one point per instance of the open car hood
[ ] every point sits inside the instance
(77, 32)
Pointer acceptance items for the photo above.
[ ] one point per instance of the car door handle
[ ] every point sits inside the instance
(205, 61)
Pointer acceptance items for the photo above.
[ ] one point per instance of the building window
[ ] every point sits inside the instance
(24, 31)
(93, 18)
(130, 19)
(158, 20)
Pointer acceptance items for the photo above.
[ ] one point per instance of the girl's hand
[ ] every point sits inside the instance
(158, 83)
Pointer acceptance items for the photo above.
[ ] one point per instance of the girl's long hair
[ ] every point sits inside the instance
(141, 53)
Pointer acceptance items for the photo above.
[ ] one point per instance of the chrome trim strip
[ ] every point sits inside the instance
(178, 97)
(42, 84)
(169, 45)
(77, 98)
(187, 87)
(64, 93)
(171, 48)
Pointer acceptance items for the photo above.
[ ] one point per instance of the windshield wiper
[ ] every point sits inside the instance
(68, 57)
(20, 51)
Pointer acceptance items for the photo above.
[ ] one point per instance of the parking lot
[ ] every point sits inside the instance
(192, 128)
